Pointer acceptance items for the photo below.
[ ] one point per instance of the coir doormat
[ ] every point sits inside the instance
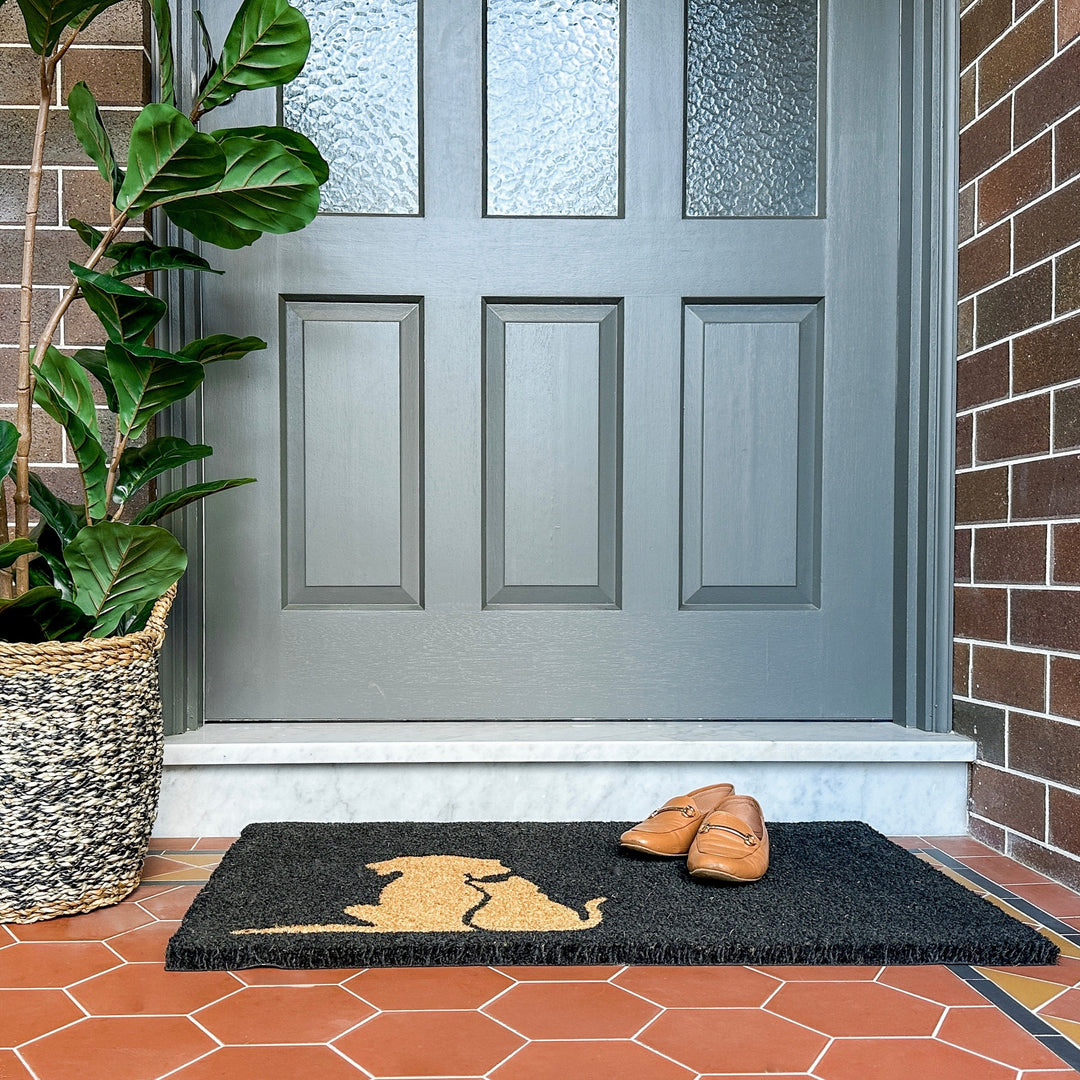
(307, 895)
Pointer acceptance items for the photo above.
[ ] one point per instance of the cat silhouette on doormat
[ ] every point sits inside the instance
(440, 893)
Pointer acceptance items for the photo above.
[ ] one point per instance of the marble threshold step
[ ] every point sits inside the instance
(223, 776)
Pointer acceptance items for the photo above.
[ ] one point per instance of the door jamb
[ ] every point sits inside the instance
(924, 476)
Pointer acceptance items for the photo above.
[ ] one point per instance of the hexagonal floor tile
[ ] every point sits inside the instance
(265, 1062)
(40, 964)
(93, 926)
(150, 990)
(687, 987)
(1065, 1006)
(858, 1059)
(172, 903)
(855, 1009)
(428, 988)
(820, 973)
(294, 976)
(616, 1060)
(986, 1031)
(117, 1048)
(146, 944)
(587, 1010)
(570, 973)
(11, 1068)
(429, 1044)
(284, 1014)
(26, 1014)
(932, 982)
(733, 1040)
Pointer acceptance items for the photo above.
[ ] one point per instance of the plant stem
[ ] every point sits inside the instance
(24, 397)
(5, 536)
(119, 442)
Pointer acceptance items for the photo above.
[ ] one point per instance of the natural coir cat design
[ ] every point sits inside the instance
(441, 893)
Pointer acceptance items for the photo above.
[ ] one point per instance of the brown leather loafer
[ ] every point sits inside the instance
(670, 830)
(732, 843)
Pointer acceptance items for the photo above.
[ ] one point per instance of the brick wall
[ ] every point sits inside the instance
(1017, 596)
(113, 60)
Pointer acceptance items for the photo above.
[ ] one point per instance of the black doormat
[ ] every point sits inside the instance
(390, 894)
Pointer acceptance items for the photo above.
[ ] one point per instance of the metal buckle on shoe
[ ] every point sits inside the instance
(749, 839)
(686, 811)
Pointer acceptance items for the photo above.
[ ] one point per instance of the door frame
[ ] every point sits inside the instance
(925, 415)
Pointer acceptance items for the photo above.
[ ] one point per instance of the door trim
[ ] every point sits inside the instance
(922, 581)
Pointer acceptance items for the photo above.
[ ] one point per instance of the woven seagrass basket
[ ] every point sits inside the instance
(80, 769)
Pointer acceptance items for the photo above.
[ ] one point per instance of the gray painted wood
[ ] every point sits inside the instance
(455, 657)
(751, 454)
(551, 456)
(352, 462)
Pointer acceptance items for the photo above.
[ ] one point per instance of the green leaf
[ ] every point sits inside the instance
(217, 347)
(51, 551)
(143, 257)
(265, 189)
(146, 381)
(61, 516)
(167, 158)
(63, 391)
(298, 145)
(162, 16)
(91, 133)
(126, 313)
(41, 614)
(267, 45)
(175, 500)
(90, 236)
(140, 464)
(15, 549)
(69, 389)
(46, 21)
(93, 360)
(209, 65)
(9, 445)
(117, 568)
(136, 619)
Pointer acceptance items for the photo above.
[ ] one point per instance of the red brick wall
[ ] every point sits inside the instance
(1017, 596)
(112, 59)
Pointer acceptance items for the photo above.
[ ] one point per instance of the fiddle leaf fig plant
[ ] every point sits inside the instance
(96, 567)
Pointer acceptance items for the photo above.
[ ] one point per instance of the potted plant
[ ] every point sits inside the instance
(85, 591)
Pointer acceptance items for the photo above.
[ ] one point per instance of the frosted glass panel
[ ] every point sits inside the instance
(357, 99)
(751, 108)
(553, 107)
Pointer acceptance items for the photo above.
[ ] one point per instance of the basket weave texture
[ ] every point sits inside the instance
(81, 747)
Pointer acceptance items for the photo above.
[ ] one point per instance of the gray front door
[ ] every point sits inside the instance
(580, 397)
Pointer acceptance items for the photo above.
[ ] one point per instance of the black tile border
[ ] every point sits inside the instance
(1016, 1011)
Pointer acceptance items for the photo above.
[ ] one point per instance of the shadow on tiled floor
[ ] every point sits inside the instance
(86, 998)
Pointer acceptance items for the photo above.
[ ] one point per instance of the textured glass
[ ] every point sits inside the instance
(553, 107)
(751, 108)
(357, 99)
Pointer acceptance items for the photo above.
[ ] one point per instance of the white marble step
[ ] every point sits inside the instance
(223, 776)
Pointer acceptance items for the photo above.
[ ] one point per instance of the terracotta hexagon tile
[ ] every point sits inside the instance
(855, 1009)
(172, 903)
(150, 990)
(93, 926)
(428, 988)
(157, 866)
(589, 1061)
(699, 986)
(733, 1040)
(934, 982)
(11, 1068)
(902, 1059)
(989, 1032)
(572, 1011)
(284, 1014)
(818, 973)
(146, 944)
(117, 1048)
(214, 843)
(6, 936)
(267, 1062)
(40, 964)
(436, 1044)
(294, 976)
(582, 973)
(26, 1014)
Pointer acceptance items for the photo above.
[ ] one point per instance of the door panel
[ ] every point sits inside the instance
(538, 468)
